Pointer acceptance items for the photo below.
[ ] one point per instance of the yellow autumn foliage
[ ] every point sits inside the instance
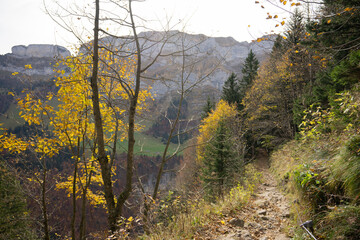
(209, 124)
(65, 118)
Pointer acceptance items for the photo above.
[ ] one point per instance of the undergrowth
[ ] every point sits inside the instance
(321, 177)
(189, 216)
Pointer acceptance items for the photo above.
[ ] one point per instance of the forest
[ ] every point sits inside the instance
(76, 168)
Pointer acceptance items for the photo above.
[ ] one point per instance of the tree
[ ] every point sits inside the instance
(14, 216)
(230, 91)
(189, 59)
(219, 164)
(336, 31)
(120, 15)
(208, 107)
(249, 70)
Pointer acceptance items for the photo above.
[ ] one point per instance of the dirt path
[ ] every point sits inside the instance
(264, 218)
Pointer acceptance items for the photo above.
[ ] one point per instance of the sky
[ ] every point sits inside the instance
(24, 22)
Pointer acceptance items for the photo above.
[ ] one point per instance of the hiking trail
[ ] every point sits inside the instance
(265, 217)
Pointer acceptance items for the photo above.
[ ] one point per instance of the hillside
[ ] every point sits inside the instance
(132, 140)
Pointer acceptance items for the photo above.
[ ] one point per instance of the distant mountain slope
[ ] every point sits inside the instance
(219, 55)
(216, 55)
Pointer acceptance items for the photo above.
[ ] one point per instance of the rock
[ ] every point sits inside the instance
(281, 236)
(264, 238)
(245, 234)
(269, 226)
(40, 50)
(264, 218)
(286, 215)
(240, 235)
(252, 225)
(237, 222)
(261, 203)
(261, 212)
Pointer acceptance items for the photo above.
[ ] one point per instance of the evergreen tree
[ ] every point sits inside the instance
(209, 106)
(337, 31)
(14, 222)
(250, 69)
(295, 31)
(220, 163)
(231, 90)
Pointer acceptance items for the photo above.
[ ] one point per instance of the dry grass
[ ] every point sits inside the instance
(185, 225)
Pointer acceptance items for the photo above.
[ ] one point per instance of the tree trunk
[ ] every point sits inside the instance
(132, 112)
(43, 201)
(102, 157)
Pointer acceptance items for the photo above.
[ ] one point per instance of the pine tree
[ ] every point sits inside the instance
(219, 163)
(295, 31)
(250, 69)
(231, 90)
(209, 106)
(14, 220)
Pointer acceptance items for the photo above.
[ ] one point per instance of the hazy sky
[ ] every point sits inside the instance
(24, 22)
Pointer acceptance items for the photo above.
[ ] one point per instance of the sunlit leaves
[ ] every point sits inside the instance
(93, 194)
(65, 118)
(210, 124)
(11, 143)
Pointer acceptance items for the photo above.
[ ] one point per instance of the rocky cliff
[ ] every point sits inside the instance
(40, 51)
(40, 56)
(219, 55)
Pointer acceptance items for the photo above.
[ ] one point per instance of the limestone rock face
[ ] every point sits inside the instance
(223, 54)
(40, 50)
(42, 57)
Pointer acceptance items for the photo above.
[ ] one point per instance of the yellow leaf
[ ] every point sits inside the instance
(284, 37)
(222, 222)
(248, 25)
(15, 73)
(28, 66)
(282, 23)
(329, 21)
(276, 16)
(276, 25)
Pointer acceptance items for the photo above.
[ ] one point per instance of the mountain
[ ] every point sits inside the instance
(40, 56)
(223, 53)
(213, 57)
(219, 56)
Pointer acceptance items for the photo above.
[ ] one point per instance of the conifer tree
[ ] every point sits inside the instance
(250, 69)
(219, 163)
(231, 90)
(14, 220)
(208, 107)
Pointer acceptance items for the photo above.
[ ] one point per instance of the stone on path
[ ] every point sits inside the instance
(237, 222)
